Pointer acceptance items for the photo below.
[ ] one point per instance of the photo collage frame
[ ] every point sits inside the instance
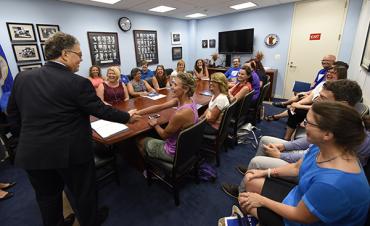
(146, 46)
(104, 48)
(24, 43)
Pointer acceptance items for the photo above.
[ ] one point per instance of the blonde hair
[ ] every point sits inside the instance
(187, 80)
(177, 65)
(221, 79)
(116, 71)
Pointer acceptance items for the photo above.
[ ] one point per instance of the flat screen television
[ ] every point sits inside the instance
(238, 41)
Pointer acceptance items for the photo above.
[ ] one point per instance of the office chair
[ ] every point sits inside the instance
(185, 161)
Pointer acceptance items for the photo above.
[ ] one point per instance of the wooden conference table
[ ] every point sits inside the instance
(139, 103)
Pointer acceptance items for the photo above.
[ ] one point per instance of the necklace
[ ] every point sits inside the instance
(331, 159)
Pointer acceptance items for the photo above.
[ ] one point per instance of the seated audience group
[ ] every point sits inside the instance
(303, 181)
(317, 179)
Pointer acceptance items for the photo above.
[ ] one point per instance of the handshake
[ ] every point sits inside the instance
(134, 116)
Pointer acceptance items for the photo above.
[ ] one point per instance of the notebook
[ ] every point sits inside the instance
(106, 128)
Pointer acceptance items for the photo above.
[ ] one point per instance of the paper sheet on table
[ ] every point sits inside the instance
(106, 128)
(156, 97)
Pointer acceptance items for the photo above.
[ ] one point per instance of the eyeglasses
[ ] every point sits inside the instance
(77, 53)
(305, 122)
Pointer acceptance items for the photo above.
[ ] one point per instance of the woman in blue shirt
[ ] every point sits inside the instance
(332, 188)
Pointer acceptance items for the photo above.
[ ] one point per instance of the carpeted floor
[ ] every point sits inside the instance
(134, 203)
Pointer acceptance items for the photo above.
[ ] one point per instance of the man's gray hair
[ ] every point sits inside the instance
(57, 43)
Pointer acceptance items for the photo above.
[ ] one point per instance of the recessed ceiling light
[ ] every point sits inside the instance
(162, 9)
(107, 1)
(243, 5)
(196, 15)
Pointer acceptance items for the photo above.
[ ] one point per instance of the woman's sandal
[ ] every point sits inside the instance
(270, 118)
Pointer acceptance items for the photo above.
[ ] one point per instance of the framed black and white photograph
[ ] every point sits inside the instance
(45, 31)
(104, 48)
(176, 53)
(365, 61)
(26, 52)
(146, 46)
(204, 43)
(212, 43)
(28, 67)
(175, 38)
(21, 32)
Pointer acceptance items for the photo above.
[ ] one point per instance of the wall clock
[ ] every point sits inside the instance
(124, 23)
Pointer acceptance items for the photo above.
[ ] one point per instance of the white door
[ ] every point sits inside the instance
(316, 31)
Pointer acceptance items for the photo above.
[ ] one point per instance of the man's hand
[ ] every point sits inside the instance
(132, 112)
(134, 118)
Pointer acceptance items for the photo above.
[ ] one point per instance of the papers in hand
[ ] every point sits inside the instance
(155, 96)
(106, 128)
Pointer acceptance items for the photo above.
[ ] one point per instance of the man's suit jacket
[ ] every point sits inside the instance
(52, 105)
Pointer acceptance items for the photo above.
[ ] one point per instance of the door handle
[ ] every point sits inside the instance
(291, 65)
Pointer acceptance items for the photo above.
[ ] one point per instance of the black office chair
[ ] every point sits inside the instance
(168, 71)
(362, 108)
(185, 161)
(254, 112)
(105, 162)
(213, 143)
(240, 115)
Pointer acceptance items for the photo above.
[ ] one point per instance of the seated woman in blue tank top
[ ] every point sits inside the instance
(186, 115)
(332, 188)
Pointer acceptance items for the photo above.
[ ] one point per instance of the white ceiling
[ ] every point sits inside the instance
(183, 7)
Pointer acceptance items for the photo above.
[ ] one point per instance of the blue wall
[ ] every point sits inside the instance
(265, 21)
(276, 20)
(78, 19)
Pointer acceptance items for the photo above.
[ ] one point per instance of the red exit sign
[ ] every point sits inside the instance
(315, 36)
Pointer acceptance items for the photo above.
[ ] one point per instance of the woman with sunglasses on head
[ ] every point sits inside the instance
(332, 188)
(218, 103)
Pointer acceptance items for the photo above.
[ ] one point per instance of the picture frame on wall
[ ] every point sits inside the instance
(212, 43)
(365, 60)
(204, 43)
(26, 52)
(104, 48)
(45, 31)
(28, 67)
(21, 32)
(175, 38)
(176, 53)
(146, 46)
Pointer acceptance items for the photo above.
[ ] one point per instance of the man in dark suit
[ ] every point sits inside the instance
(52, 106)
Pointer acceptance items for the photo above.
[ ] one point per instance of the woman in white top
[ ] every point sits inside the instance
(180, 67)
(219, 101)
